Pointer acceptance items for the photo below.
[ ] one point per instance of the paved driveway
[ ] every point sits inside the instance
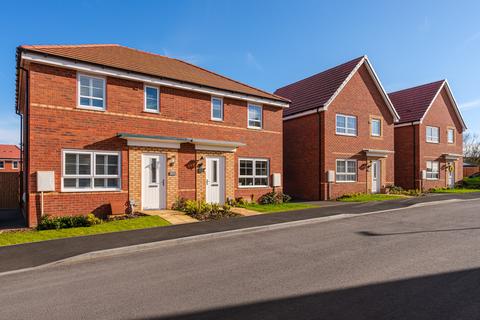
(11, 218)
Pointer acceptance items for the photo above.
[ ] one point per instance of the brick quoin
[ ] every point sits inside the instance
(409, 165)
(312, 146)
(55, 124)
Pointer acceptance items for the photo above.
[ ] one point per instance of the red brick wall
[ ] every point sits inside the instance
(406, 139)
(442, 115)
(362, 99)
(56, 124)
(301, 157)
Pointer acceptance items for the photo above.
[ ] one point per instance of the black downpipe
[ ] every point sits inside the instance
(24, 144)
(414, 157)
(320, 173)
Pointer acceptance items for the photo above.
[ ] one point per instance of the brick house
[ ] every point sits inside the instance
(428, 137)
(9, 158)
(118, 125)
(338, 133)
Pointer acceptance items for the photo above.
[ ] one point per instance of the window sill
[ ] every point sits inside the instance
(253, 187)
(255, 128)
(151, 111)
(89, 190)
(216, 120)
(433, 142)
(346, 134)
(91, 108)
(345, 181)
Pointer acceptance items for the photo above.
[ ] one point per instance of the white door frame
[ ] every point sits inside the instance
(161, 183)
(451, 176)
(376, 176)
(215, 194)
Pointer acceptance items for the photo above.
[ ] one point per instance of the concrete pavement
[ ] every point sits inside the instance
(419, 263)
(36, 254)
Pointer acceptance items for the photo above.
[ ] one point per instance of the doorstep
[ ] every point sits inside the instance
(172, 216)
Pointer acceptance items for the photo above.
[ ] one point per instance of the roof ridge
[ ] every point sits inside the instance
(318, 73)
(417, 86)
(70, 45)
(206, 70)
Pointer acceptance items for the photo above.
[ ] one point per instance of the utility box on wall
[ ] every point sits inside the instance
(331, 176)
(276, 180)
(45, 181)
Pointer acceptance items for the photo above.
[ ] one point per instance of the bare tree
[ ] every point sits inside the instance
(471, 147)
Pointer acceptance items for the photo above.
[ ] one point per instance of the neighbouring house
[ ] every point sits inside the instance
(9, 176)
(470, 168)
(338, 133)
(428, 138)
(9, 158)
(119, 127)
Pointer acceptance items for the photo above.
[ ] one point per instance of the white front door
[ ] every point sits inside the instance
(215, 180)
(153, 181)
(376, 176)
(451, 176)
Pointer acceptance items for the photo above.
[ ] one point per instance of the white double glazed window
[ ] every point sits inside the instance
(91, 92)
(152, 99)
(451, 135)
(346, 125)
(433, 170)
(433, 134)
(217, 109)
(255, 116)
(346, 170)
(253, 172)
(376, 126)
(90, 171)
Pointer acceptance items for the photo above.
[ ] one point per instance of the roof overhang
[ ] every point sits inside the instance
(375, 153)
(377, 82)
(452, 100)
(452, 156)
(130, 75)
(138, 140)
(406, 124)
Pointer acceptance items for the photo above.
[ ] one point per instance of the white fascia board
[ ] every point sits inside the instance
(152, 143)
(303, 114)
(107, 71)
(407, 124)
(207, 147)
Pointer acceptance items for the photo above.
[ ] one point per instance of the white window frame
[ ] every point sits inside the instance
(373, 134)
(2, 167)
(221, 109)
(346, 125)
(14, 164)
(145, 99)
(431, 177)
(345, 173)
(104, 81)
(429, 138)
(92, 175)
(248, 116)
(453, 135)
(253, 176)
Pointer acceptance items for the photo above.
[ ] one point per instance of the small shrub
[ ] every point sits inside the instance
(93, 220)
(205, 211)
(48, 222)
(274, 198)
(471, 183)
(350, 195)
(393, 189)
(179, 204)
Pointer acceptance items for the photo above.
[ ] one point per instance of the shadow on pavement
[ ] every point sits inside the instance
(454, 295)
(376, 234)
(11, 218)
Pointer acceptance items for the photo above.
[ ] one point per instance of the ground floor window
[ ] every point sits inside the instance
(433, 170)
(2, 165)
(253, 172)
(91, 170)
(346, 171)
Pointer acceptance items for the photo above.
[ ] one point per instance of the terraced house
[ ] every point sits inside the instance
(428, 138)
(105, 126)
(338, 133)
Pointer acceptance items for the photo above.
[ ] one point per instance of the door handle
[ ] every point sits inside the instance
(207, 182)
(163, 182)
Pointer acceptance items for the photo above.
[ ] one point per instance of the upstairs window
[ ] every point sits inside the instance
(376, 126)
(152, 103)
(346, 125)
(433, 134)
(91, 92)
(15, 164)
(433, 170)
(451, 136)
(346, 171)
(217, 109)
(254, 116)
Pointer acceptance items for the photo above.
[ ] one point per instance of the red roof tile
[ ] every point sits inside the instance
(314, 92)
(116, 56)
(412, 103)
(9, 151)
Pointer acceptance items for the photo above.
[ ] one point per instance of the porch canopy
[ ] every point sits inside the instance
(451, 156)
(140, 140)
(375, 153)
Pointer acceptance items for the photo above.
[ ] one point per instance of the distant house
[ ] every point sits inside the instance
(338, 133)
(120, 126)
(428, 138)
(9, 158)
(470, 168)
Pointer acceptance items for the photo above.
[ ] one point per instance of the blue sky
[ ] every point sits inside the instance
(264, 43)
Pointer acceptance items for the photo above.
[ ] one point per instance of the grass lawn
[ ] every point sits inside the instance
(370, 197)
(455, 190)
(10, 238)
(267, 208)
